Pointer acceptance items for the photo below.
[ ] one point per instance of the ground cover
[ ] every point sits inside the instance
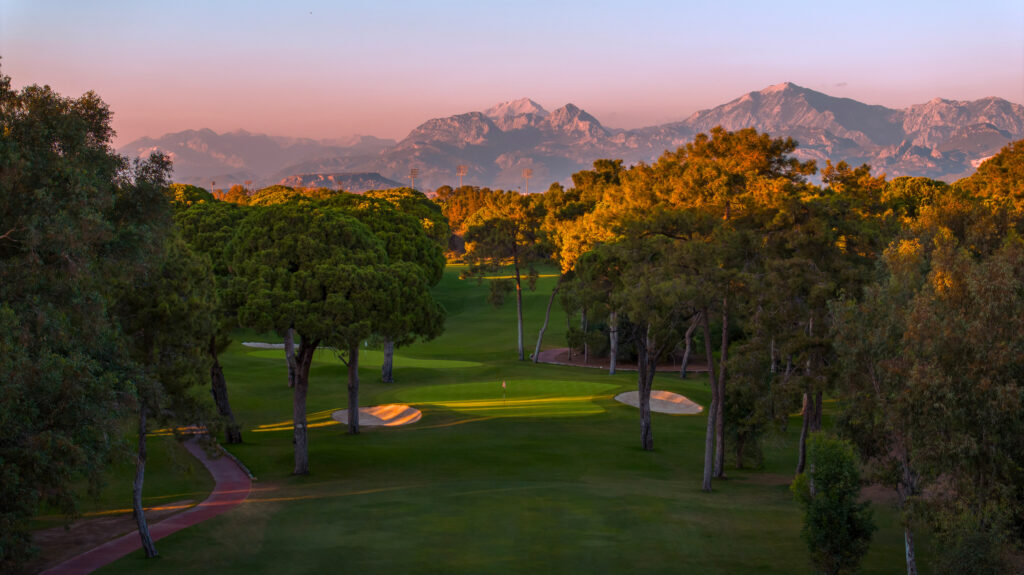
(556, 483)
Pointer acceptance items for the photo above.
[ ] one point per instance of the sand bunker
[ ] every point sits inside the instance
(662, 402)
(262, 345)
(390, 415)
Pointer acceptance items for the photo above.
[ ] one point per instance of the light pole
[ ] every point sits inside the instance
(461, 170)
(412, 176)
(527, 174)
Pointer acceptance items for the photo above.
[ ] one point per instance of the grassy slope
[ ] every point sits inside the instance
(172, 475)
(557, 483)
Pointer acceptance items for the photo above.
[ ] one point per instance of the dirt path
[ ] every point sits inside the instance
(232, 487)
(560, 356)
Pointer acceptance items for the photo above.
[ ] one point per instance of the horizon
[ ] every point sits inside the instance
(327, 71)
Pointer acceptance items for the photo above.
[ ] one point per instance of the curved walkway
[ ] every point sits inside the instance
(232, 487)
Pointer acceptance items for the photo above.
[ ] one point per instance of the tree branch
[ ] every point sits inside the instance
(7, 235)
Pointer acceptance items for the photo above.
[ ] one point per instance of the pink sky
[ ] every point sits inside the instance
(332, 69)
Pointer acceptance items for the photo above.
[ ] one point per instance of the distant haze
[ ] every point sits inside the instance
(323, 69)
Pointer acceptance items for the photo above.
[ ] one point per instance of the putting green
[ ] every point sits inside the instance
(369, 358)
(521, 398)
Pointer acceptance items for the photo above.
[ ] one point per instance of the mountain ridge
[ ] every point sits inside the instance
(941, 138)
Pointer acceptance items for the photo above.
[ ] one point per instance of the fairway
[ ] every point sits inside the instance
(549, 478)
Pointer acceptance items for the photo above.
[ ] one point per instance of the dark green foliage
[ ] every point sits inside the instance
(404, 235)
(971, 546)
(506, 229)
(168, 317)
(296, 260)
(77, 227)
(837, 527)
(416, 204)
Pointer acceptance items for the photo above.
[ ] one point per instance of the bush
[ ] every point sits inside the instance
(837, 527)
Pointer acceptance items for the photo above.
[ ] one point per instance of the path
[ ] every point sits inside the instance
(560, 356)
(232, 487)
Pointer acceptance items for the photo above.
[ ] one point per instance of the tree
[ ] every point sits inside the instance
(75, 219)
(1000, 178)
(506, 230)
(655, 305)
(300, 264)
(416, 204)
(167, 317)
(962, 347)
(392, 298)
(208, 227)
(928, 364)
(569, 229)
(185, 195)
(402, 220)
(837, 527)
(735, 177)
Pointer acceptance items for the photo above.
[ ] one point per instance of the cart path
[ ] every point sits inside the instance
(232, 487)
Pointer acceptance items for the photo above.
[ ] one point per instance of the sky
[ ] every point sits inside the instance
(332, 69)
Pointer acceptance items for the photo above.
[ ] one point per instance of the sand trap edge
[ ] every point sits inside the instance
(678, 405)
(370, 416)
(262, 345)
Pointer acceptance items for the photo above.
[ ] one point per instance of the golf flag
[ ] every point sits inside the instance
(503, 385)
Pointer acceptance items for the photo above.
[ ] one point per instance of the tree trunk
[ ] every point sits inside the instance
(583, 326)
(300, 432)
(568, 325)
(740, 443)
(519, 312)
(908, 550)
(688, 338)
(140, 475)
(815, 423)
(353, 389)
(643, 384)
(547, 316)
(720, 407)
(386, 375)
(709, 436)
(801, 461)
(613, 341)
(219, 390)
(289, 355)
(906, 488)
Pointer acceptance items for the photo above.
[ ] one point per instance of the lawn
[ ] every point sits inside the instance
(548, 478)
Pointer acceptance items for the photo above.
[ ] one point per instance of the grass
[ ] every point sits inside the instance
(172, 475)
(549, 479)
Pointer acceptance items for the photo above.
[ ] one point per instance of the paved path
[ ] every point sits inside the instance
(232, 487)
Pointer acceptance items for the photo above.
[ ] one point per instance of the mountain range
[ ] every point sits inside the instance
(942, 139)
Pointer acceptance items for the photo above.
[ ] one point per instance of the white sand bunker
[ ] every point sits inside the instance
(262, 345)
(390, 415)
(662, 402)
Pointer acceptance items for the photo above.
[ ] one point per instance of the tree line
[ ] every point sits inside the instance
(898, 298)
